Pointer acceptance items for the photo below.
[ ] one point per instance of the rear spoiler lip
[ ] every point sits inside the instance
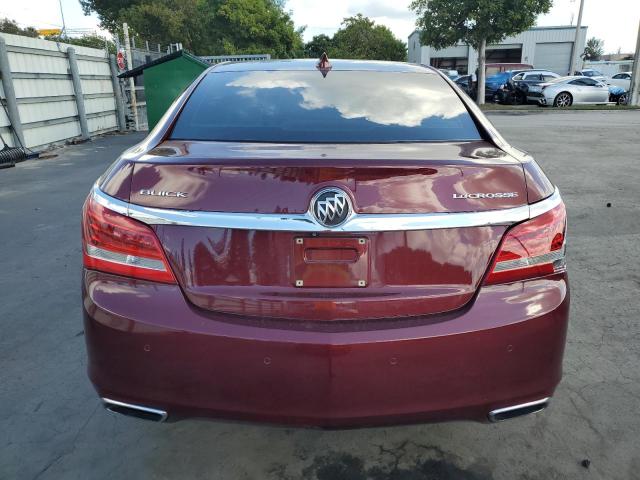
(306, 223)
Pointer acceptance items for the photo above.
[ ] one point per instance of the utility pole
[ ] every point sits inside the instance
(64, 28)
(574, 51)
(132, 84)
(635, 74)
(482, 60)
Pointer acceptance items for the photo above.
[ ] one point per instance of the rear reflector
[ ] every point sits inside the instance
(531, 249)
(117, 244)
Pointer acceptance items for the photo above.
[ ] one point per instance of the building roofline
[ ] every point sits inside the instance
(551, 27)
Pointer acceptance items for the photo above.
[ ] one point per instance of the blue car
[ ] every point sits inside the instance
(618, 95)
(494, 82)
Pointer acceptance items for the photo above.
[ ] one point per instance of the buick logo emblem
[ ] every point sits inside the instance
(331, 207)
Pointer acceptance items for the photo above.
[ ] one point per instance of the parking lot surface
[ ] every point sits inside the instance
(52, 424)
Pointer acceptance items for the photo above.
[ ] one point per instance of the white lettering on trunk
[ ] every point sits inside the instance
(163, 193)
(485, 195)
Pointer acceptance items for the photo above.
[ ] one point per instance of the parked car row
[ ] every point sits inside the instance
(567, 91)
(528, 85)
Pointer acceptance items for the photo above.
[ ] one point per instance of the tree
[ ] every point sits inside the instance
(361, 38)
(594, 49)
(318, 45)
(444, 23)
(108, 11)
(10, 26)
(206, 27)
(92, 41)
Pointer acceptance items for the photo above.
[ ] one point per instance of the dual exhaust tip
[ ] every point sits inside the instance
(136, 411)
(514, 411)
(156, 415)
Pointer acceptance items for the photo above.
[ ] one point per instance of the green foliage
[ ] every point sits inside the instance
(10, 26)
(92, 41)
(318, 45)
(446, 22)
(108, 11)
(359, 38)
(594, 49)
(206, 27)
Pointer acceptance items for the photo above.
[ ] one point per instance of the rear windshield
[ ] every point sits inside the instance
(343, 107)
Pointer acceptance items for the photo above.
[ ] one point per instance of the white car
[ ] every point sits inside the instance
(622, 80)
(567, 91)
(452, 74)
(591, 73)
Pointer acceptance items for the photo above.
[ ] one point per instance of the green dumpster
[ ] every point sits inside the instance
(165, 79)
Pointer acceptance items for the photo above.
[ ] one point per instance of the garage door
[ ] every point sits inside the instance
(553, 56)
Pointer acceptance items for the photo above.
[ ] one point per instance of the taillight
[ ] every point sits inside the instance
(531, 249)
(117, 244)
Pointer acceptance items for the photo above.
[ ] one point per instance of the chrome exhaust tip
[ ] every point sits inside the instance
(132, 410)
(514, 411)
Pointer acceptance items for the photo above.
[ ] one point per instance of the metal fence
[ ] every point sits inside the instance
(52, 92)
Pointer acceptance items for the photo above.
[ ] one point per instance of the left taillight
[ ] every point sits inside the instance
(531, 249)
(114, 243)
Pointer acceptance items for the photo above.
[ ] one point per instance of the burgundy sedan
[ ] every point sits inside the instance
(326, 245)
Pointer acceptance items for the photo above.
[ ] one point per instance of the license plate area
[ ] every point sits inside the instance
(330, 262)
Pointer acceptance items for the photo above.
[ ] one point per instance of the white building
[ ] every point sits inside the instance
(610, 67)
(547, 48)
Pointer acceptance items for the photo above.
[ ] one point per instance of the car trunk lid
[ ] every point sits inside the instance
(328, 274)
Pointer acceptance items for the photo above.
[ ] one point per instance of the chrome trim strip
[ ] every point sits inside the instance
(124, 259)
(163, 415)
(550, 257)
(543, 206)
(543, 403)
(305, 222)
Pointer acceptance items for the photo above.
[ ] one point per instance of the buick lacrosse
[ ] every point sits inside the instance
(324, 244)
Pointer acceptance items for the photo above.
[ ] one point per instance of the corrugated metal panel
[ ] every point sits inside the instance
(96, 86)
(37, 87)
(32, 63)
(458, 51)
(4, 120)
(45, 135)
(46, 99)
(102, 123)
(90, 67)
(43, 111)
(97, 105)
(554, 56)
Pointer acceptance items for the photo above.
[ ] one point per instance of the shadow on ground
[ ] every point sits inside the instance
(405, 461)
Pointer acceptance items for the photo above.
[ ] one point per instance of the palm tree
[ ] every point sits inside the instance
(594, 49)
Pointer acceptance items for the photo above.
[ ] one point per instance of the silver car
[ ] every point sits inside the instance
(622, 80)
(591, 73)
(567, 91)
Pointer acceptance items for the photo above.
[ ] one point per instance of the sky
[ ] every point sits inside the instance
(614, 21)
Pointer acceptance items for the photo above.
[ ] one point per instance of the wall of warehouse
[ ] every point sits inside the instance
(44, 91)
(542, 47)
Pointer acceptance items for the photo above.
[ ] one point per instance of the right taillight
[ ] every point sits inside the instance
(531, 249)
(114, 243)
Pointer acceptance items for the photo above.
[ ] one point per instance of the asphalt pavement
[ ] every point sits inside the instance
(52, 425)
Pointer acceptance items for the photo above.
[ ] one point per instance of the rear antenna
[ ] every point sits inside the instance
(324, 65)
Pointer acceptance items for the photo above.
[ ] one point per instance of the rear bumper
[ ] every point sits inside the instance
(148, 346)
